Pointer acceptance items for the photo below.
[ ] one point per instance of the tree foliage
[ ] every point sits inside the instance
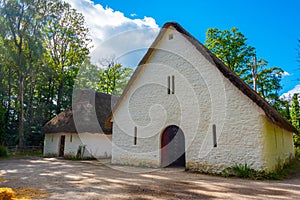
(114, 78)
(295, 117)
(110, 78)
(22, 22)
(37, 38)
(3, 125)
(66, 46)
(88, 76)
(295, 111)
(44, 44)
(231, 47)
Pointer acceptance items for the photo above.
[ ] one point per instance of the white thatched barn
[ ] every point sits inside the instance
(184, 107)
(81, 131)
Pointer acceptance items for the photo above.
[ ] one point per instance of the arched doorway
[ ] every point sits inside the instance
(172, 147)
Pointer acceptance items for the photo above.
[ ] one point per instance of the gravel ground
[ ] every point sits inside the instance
(64, 179)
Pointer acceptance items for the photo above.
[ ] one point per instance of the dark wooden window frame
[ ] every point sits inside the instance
(214, 135)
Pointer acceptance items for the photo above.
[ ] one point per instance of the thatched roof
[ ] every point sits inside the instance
(89, 112)
(270, 112)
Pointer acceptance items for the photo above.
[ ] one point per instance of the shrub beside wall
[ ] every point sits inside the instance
(3, 151)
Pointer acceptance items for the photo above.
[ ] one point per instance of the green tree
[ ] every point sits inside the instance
(114, 78)
(295, 118)
(22, 21)
(35, 35)
(265, 80)
(295, 111)
(88, 76)
(66, 47)
(231, 47)
(3, 125)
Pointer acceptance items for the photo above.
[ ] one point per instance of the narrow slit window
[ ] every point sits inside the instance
(52, 138)
(169, 85)
(135, 136)
(214, 135)
(71, 138)
(171, 36)
(173, 84)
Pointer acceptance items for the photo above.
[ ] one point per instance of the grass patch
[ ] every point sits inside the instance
(245, 171)
(20, 155)
(291, 168)
(76, 158)
(281, 171)
(26, 154)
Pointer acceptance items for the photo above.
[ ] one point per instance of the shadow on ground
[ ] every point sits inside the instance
(64, 179)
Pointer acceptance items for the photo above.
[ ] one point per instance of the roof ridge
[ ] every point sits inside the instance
(66, 122)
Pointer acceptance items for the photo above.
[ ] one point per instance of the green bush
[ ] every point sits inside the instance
(239, 170)
(244, 171)
(3, 151)
(296, 141)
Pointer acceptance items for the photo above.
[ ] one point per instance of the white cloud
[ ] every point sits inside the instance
(289, 95)
(113, 34)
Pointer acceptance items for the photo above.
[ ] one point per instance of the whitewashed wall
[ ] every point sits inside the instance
(278, 145)
(51, 144)
(97, 145)
(203, 97)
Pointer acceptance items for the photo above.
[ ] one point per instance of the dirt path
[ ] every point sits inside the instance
(64, 179)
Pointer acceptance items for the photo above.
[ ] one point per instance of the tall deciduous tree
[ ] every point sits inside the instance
(88, 76)
(267, 79)
(22, 21)
(42, 44)
(66, 49)
(295, 111)
(114, 78)
(295, 117)
(3, 124)
(231, 47)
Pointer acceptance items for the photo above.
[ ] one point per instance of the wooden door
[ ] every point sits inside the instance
(62, 146)
(172, 147)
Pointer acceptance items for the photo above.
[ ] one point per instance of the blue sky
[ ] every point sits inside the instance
(272, 27)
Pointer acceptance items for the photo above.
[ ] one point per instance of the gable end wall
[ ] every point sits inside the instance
(203, 98)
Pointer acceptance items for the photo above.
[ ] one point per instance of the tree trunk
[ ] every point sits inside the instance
(49, 92)
(254, 74)
(59, 97)
(21, 94)
(9, 96)
(21, 113)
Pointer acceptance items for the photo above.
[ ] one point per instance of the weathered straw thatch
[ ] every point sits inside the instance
(89, 112)
(270, 112)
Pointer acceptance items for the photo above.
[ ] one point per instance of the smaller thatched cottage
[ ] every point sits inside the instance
(81, 131)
